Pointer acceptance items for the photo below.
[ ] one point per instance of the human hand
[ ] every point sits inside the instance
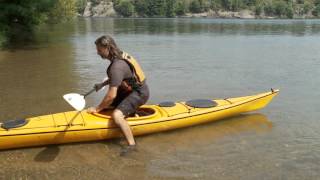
(98, 86)
(92, 110)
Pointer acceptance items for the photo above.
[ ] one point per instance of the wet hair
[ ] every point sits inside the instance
(107, 41)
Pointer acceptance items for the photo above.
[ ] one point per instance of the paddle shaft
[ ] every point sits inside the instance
(91, 91)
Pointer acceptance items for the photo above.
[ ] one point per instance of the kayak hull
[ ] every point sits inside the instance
(68, 127)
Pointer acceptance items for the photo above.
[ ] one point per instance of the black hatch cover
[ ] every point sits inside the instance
(201, 103)
(13, 124)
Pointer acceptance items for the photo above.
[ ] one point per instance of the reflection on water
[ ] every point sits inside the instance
(203, 26)
(183, 59)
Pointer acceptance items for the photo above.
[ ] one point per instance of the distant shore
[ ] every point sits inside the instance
(107, 9)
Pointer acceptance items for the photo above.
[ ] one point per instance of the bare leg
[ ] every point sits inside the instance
(119, 119)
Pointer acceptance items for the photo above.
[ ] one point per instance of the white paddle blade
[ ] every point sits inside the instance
(75, 100)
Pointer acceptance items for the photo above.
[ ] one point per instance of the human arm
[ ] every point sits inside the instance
(106, 101)
(98, 86)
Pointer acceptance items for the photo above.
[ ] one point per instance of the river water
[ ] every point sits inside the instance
(183, 59)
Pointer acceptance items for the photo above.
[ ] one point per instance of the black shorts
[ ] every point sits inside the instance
(128, 104)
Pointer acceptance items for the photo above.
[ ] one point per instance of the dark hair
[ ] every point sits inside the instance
(108, 42)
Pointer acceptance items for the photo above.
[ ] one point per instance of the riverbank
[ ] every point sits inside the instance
(109, 9)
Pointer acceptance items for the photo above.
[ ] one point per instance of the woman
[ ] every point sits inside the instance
(127, 86)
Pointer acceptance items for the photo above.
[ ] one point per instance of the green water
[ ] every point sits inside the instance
(183, 59)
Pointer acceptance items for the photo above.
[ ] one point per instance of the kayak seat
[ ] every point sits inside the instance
(201, 103)
(143, 112)
(10, 124)
(167, 104)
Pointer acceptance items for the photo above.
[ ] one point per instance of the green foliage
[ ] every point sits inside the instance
(269, 9)
(18, 17)
(23, 13)
(195, 6)
(180, 8)
(215, 5)
(140, 7)
(280, 8)
(316, 11)
(307, 6)
(258, 9)
(170, 8)
(156, 8)
(125, 8)
(81, 5)
(289, 11)
(63, 10)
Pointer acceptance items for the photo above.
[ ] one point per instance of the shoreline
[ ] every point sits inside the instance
(194, 17)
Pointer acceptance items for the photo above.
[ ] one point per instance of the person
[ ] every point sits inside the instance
(128, 89)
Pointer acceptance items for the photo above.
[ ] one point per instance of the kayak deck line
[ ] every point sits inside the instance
(77, 126)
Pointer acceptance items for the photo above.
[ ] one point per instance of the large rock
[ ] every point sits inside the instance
(102, 9)
(244, 14)
(87, 10)
(247, 14)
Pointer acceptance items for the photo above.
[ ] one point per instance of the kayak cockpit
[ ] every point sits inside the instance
(141, 113)
(10, 124)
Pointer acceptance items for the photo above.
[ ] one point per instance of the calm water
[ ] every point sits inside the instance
(183, 59)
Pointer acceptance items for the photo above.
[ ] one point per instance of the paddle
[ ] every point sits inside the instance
(77, 101)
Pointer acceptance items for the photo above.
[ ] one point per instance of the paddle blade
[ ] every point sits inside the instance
(75, 100)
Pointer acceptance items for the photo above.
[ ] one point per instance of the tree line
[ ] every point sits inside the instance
(172, 8)
(18, 16)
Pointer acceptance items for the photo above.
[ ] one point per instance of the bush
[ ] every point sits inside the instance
(258, 10)
(236, 5)
(280, 8)
(140, 7)
(307, 7)
(125, 8)
(195, 6)
(81, 5)
(316, 11)
(155, 8)
(170, 6)
(289, 12)
(63, 10)
(180, 8)
(269, 10)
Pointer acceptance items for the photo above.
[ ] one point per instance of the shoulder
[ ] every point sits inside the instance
(119, 64)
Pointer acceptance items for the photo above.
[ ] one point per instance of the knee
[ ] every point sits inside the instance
(117, 116)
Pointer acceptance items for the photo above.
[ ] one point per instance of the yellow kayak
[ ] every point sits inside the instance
(77, 126)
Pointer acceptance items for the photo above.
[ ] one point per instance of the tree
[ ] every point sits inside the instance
(280, 8)
(268, 9)
(170, 8)
(258, 9)
(195, 6)
(180, 8)
(289, 11)
(226, 4)
(316, 11)
(81, 5)
(307, 6)
(125, 8)
(140, 7)
(18, 18)
(236, 5)
(63, 10)
(155, 8)
(23, 13)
